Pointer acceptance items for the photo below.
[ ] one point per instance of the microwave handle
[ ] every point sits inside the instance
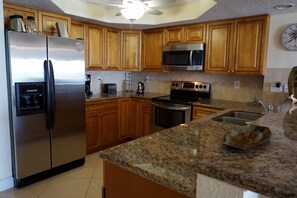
(191, 57)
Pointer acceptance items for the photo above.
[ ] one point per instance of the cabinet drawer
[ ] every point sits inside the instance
(99, 105)
(200, 112)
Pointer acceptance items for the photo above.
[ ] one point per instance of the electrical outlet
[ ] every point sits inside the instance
(274, 88)
(236, 84)
(99, 78)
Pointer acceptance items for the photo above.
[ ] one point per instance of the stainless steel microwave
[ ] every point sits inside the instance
(189, 57)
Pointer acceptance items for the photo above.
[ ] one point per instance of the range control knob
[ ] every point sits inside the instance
(200, 86)
(204, 86)
(173, 84)
(196, 86)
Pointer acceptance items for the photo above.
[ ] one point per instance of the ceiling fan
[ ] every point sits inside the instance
(134, 9)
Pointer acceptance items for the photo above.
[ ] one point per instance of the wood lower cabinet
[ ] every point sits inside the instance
(152, 50)
(102, 124)
(131, 50)
(125, 118)
(201, 112)
(141, 117)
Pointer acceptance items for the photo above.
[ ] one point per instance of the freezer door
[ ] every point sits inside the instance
(26, 54)
(68, 122)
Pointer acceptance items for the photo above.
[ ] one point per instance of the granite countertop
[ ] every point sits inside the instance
(173, 157)
(146, 95)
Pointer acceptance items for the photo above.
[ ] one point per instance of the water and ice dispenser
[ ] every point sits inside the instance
(30, 98)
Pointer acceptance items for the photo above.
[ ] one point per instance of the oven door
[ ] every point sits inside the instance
(167, 115)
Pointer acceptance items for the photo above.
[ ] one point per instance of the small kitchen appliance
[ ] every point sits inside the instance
(140, 88)
(175, 109)
(16, 23)
(88, 85)
(109, 88)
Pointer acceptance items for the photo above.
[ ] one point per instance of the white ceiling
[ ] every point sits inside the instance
(222, 10)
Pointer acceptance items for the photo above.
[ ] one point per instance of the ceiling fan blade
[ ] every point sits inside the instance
(153, 11)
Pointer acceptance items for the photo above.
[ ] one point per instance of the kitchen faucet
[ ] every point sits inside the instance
(266, 109)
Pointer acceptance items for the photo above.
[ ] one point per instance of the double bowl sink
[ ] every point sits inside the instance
(238, 117)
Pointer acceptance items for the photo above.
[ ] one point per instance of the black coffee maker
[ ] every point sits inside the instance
(88, 85)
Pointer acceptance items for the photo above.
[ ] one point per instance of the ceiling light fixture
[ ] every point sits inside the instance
(283, 6)
(133, 12)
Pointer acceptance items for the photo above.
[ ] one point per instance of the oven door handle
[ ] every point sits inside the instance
(180, 108)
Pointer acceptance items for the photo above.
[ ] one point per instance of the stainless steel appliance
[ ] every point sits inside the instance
(88, 91)
(47, 104)
(140, 88)
(189, 57)
(175, 109)
(109, 88)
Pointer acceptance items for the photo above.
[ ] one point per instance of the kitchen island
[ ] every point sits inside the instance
(173, 157)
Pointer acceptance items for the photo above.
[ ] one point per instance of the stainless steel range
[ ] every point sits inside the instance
(175, 109)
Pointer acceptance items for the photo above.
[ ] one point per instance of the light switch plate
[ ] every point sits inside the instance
(236, 84)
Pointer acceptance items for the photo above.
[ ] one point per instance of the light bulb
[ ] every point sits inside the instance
(133, 12)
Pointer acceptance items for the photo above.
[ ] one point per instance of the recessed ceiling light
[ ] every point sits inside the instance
(283, 6)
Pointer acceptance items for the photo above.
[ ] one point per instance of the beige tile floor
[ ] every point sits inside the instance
(82, 182)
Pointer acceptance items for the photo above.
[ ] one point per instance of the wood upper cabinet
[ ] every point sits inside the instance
(94, 41)
(113, 49)
(152, 50)
(219, 44)
(201, 112)
(77, 30)
(185, 34)
(251, 35)
(13, 9)
(47, 22)
(125, 118)
(131, 50)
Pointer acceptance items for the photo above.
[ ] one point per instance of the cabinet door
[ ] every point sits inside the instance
(12, 9)
(152, 50)
(146, 117)
(250, 49)
(108, 126)
(136, 117)
(174, 35)
(113, 49)
(131, 50)
(219, 47)
(95, 46)
(92, 131)
(194, 33)
(47, 22)
(125, 118)
(77, 30)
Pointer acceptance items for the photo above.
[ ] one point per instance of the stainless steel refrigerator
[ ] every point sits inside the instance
(47, 104)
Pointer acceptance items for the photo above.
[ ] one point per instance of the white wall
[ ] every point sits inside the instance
(5, 153)
(278, 56)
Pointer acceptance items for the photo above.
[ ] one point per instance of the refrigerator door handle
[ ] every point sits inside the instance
(52, 96)
(48, 102)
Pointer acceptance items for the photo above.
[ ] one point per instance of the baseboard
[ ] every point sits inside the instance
(6, 183)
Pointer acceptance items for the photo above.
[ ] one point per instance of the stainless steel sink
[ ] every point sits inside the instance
(238, 117)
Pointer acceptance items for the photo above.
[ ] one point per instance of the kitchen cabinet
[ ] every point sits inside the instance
(141, 117)
(131, 50)
(77, 30)
(201, 112)
(102, 124)
(125, 118)
(237, 46)
(13, 9)
(251, 37)
(152, 50)
(113, 49)
(185, 34)
(219, 44)
(94, 41)
(47, 22)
